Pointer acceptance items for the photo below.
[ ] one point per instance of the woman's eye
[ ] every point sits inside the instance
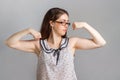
(61, 22)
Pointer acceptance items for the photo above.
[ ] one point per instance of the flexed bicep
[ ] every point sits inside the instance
(84, 44)
(26, 45)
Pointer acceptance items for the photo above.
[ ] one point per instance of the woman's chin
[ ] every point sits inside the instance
(63, 34)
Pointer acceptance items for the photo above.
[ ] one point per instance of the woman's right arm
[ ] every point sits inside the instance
(15, 41)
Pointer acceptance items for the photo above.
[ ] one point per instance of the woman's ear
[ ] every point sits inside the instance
(51, 23)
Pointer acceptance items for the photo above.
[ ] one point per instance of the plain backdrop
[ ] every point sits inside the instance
(96, 64)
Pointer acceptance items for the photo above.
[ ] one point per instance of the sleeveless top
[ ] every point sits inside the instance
(55, 64)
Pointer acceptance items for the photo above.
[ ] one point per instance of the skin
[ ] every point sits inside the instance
(54, 40)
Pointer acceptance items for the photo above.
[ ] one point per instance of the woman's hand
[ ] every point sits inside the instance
(35, 33)
(78, 25)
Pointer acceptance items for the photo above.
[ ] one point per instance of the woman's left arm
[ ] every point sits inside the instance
(83, 43)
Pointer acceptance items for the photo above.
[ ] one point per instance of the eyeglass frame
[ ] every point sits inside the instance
(63, 23)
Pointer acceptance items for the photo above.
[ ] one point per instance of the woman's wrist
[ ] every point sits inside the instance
(86, 25)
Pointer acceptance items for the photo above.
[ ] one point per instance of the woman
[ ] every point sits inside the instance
(54, 49)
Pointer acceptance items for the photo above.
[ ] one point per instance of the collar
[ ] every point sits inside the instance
(49, 50)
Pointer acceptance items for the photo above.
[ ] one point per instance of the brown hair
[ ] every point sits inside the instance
(52, 15)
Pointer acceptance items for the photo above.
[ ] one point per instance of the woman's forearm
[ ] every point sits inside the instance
(13, 39)
(97, 38)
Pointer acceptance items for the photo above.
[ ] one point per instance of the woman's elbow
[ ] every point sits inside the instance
(9, 44)
(102, 44)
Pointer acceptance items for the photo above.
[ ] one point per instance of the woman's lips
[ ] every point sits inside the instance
(64, 30)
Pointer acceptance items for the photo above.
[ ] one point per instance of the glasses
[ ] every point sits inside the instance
(63, 23)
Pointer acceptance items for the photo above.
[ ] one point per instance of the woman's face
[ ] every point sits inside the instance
(60, 26)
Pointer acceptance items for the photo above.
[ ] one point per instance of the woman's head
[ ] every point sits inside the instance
(52, 18)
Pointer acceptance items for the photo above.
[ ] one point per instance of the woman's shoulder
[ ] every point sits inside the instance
(72, 40)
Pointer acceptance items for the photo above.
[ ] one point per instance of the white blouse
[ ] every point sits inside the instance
(56, 64)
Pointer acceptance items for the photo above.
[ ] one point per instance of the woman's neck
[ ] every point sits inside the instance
(54, 40)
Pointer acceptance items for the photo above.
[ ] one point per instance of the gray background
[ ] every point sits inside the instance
(97, 64)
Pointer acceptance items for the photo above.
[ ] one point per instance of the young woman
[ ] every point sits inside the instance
(54, 49)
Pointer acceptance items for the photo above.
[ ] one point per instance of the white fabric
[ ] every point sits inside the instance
(48, 70)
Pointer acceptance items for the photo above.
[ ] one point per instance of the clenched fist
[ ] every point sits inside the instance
(77, 25)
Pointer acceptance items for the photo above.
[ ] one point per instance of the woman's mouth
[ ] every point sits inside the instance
(65, 30)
